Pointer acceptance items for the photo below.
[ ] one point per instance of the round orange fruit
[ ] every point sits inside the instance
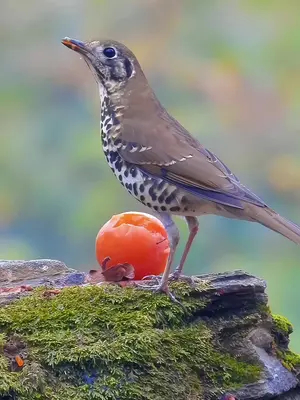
(135, 238)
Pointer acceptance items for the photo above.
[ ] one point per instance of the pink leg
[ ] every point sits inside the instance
(193, 225)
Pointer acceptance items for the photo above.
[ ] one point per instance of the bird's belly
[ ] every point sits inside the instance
(153, 192)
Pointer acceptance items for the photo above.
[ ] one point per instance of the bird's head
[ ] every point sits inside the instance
(112, 63)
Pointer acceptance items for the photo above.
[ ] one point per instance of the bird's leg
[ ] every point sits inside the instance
(193, 225)
(173, 236)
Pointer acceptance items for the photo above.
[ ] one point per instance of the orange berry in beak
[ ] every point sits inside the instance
(134, 238)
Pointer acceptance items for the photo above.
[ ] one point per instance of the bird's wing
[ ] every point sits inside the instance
(167, 150)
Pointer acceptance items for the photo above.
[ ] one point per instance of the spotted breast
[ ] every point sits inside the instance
(153, 192)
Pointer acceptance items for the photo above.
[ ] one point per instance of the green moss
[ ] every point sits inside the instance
(282, 329)
(112, 343)
(282, 324)
(289, 359)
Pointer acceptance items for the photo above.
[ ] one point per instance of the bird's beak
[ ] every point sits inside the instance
(76, 45)
(88, 55)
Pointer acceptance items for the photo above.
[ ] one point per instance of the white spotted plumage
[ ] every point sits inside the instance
(152, 192)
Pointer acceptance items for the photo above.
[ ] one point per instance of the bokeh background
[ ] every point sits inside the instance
(228, 70)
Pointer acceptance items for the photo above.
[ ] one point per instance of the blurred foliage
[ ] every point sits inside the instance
(228, 70)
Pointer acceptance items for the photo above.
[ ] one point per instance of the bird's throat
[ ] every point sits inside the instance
(110, 114)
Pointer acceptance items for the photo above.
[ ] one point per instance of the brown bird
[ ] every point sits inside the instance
(156, 158)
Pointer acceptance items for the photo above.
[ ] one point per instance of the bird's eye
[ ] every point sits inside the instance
(109, 52)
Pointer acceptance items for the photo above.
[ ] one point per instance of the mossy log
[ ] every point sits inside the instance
(63, 339)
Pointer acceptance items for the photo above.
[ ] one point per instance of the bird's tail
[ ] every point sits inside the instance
(274, 221)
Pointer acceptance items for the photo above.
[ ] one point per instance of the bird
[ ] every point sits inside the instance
(158, 161)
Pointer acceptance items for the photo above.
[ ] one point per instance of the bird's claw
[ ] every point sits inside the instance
(154, 285)
(152, 278)
(176, 276)
(159, 287)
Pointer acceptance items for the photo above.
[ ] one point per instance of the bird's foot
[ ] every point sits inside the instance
(159, 286)
(176, 276)
(156, 278)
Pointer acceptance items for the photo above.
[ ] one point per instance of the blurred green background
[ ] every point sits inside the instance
(229, 71)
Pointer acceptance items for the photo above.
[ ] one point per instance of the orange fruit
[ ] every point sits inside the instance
(135, 238)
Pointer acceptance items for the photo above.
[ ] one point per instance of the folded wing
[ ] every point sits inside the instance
(167, 150)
